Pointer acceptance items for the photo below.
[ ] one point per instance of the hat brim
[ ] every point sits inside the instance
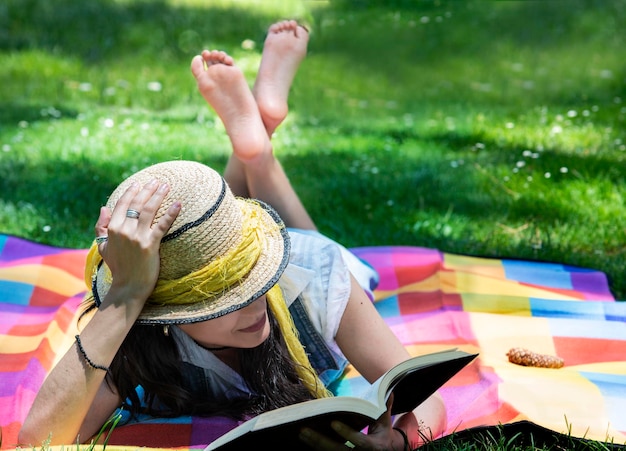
(264, 275)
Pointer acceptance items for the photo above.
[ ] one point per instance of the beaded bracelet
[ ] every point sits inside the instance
(86, 357)
(407, 445)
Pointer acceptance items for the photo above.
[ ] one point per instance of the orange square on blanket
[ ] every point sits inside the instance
(71, 261)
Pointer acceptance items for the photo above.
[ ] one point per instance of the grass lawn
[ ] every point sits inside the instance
(482, 128)
(475, 127)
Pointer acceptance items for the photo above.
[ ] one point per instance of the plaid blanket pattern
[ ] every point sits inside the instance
(432, 300)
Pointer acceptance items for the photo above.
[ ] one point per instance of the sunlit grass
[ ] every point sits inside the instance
(483, 128)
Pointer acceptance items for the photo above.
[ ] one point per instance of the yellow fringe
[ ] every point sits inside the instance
(207, 282)
(303, 366)
(219, 275)
(216, 278)
(91, 264)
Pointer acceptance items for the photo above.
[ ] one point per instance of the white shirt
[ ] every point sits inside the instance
(319, 272)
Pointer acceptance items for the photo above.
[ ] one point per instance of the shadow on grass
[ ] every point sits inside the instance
(474, 26)
(11, 114)
(387, 38)
(521, 435)
(98, 30)
(66, 194)
(483, 52)
(411, 195)
(406, 201)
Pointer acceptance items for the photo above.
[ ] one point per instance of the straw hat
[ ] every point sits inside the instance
(210, 226)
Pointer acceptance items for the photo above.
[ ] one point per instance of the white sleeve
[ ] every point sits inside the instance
(327, 293)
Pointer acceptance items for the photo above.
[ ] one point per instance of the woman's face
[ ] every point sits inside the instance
(245, 328)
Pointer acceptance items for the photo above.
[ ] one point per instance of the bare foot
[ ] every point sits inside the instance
(284, 48)
(224, 87)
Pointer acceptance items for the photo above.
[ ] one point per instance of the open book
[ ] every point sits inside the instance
(411, 382)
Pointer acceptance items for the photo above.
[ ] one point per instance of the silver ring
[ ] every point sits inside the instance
(101, 239)
(130, 213)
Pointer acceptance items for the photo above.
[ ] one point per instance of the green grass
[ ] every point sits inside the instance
(476, 127)
(502, 439)
(99, 442)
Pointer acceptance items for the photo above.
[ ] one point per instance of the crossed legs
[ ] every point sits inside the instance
(251, 117)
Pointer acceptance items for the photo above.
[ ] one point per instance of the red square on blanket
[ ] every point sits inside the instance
(41, 297)
(153, 435)
(428, 301)
(407, 275)
(582, 350)
(419, 302)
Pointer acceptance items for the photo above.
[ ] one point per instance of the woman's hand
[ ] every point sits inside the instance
(74, 401)
(131, 250)
(381, 436)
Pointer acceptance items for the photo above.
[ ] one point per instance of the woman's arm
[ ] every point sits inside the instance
(372, 348)
(65, 399)
(365, 339)
(74, 401)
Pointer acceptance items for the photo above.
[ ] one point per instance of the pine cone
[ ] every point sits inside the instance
(524, 357)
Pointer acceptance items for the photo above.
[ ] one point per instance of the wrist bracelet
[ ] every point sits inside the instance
(95, 366)
(407, 444)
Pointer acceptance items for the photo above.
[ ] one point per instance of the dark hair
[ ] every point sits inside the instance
(149, 358)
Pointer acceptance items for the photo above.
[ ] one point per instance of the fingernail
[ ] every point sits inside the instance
(164, 188)
(152, 182)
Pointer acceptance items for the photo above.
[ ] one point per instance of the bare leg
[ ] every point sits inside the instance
(284, 49)
(224, 87)
(234, 175)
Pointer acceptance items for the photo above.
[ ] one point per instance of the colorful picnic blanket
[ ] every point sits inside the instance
(432, 300)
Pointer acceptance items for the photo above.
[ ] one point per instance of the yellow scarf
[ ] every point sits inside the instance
(305, 371)
(215, 278)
